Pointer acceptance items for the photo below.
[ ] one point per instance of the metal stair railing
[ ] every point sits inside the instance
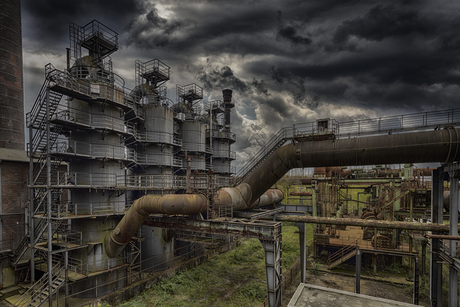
(276, 142)
(38, 294)
(373, 126)
(41, 226)
(344, 251)
(39, 230)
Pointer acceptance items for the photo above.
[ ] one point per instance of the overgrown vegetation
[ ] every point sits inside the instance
(236, 278)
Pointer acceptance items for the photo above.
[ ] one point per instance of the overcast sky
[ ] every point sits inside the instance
(286, 61)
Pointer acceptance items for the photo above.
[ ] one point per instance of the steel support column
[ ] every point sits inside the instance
(422, 267)
(436, 218)
(453, 231)
(273, 268)
(303, 250)
(48, 192)
(416, 280)
(358, 271)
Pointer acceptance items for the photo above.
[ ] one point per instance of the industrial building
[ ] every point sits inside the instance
(109, 173)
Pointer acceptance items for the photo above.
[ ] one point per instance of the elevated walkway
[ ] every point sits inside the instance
(327, 129)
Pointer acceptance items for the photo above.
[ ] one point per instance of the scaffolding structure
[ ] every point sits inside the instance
(94, 147)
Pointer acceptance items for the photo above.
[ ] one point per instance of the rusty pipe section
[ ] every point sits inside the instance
(272, 196)
(151, 204)
(364, 223)
(417, 147)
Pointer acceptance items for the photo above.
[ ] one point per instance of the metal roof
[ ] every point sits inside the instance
(316, 296)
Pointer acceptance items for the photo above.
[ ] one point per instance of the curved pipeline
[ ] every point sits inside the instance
(170, 204)
(151, 204)
(419, 147)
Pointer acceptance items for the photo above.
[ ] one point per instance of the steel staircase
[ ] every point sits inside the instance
(276, 142)
(40, 230)
(39, 293)
(37, 119)
(342, 255)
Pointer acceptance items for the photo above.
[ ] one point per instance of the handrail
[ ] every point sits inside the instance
(342, 252)
(372, 126)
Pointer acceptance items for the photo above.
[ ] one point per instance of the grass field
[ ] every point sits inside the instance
(236, 278)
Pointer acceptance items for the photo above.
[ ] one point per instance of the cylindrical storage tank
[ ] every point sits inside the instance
(11, 80)
(94, 231)
(220, 149)
(97, 175)
(157, 249)
(104, 172)
(158, 156)
(221, 166)
(194, 142)
(159, 124)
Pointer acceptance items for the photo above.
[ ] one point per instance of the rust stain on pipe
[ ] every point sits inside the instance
(418, 147)
(365, 223)
(428, 146)
(302, 193)
(151, 204)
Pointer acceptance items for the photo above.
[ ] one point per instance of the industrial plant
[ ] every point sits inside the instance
(114, 185)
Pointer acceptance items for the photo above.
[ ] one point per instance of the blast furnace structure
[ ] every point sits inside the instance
(95, 147)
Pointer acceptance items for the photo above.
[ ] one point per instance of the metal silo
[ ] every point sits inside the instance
(194, 142)
(155, 155)
(96, 150)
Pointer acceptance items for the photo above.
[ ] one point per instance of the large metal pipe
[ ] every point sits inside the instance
(418, 147)
(151, 204)
(169, 204)
(364, 223)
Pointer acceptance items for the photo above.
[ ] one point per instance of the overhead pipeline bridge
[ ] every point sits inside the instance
(331, 129)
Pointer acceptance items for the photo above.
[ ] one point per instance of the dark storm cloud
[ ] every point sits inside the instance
(382, 22)
(47, 21)
(141, 35)
(287, 61)
(206, 27)
(290, 33)
(220, 78)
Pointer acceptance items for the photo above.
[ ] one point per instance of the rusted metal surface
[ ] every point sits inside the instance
(272, 196)
(151, 204)
(303, 193)
(267, 213)
(364, 223)
(443, 237)
(264, 230)
(418, 147)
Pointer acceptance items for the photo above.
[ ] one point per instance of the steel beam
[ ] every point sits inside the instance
(303, 250)
(437, 185)
(266, 213)
(416, 281)
(251, 229)
(363, 223)
(453, 231)
(358, 271)
(273, 268)
(268, 233)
